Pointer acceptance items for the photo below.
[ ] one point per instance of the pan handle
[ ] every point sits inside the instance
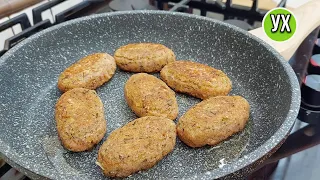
(308, 19)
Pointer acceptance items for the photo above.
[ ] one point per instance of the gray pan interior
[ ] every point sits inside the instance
(28, 92)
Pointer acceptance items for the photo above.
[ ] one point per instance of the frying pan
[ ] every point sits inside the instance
(28, 91)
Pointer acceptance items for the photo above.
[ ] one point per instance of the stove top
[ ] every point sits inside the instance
(242, 16)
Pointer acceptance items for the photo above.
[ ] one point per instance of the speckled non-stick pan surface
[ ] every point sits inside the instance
(28, 93)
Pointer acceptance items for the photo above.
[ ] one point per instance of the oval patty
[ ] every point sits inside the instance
(138, 145)
(80, 119)
(89, 72)
(143, 57)
(147, 95)
(195, 79)
(213, 120)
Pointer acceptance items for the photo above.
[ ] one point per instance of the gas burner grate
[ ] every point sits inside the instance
(81, 9)
(229, 10)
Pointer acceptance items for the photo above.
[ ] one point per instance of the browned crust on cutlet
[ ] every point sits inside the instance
(195, 79)
(136, 146)
(143, 57)
(213, 120)
(89, 72)
(147, 95)
(80, 119)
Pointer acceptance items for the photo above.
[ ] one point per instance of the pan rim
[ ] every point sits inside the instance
(233, 167)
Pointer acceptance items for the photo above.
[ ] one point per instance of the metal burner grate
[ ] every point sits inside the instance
(228, 9)
(83, 8)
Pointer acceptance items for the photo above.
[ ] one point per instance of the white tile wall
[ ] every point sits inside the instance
(48, 14)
